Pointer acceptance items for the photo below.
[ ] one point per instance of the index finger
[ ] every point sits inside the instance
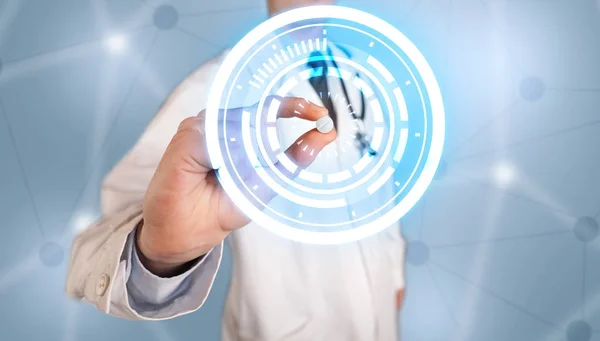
(275, 107)
(288, 107)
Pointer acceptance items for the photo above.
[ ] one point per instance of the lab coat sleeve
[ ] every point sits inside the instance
(398, 252)
(154, 297)
(100, 268)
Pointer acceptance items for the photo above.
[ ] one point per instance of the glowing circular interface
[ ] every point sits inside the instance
(388, 115)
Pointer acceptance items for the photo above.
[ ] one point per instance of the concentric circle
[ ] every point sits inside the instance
(379, 166)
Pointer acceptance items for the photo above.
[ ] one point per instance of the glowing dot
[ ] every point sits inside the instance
(418, 134)
(407, 82)
(232, 139)
(300, 214)
(165, 17)
(579, 331)
(586, 229)
(371, 44)
(504, 174)
(532, 89)
(51, 254)
(116, 43)
(417, 253)
(82, 221)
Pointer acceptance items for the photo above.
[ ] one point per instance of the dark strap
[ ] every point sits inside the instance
(319, 83)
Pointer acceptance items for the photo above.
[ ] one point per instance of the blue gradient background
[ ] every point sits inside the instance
(495, 248)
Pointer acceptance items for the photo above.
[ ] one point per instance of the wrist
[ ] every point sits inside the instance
(156, 264)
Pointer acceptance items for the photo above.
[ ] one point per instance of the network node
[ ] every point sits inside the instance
(586, 229)
(166, 17)
(532, 89)
(417, 253)
(579, 331)
(116, 43)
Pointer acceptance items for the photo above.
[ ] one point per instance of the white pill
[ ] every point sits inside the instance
(324, 124)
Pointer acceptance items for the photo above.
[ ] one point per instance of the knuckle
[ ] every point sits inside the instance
(186, 123)
(195, 123)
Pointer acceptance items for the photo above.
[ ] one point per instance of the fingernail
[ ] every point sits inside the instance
(320, 108)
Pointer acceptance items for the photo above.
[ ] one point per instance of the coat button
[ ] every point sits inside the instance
(102, 284)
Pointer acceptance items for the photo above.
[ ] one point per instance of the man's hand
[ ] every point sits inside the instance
(186, 212)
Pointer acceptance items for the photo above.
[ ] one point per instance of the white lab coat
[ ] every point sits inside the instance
(280, 290)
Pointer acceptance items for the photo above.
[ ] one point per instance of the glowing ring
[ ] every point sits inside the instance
(437, 124)
(334, 190)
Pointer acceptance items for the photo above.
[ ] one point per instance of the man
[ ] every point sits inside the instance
(158, 247)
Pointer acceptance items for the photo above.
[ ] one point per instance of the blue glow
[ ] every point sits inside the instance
(326, 205)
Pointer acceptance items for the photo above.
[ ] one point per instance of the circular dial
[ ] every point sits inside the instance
(389, 120)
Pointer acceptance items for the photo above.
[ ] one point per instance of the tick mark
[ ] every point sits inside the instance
(264, 74)
(267, 68)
